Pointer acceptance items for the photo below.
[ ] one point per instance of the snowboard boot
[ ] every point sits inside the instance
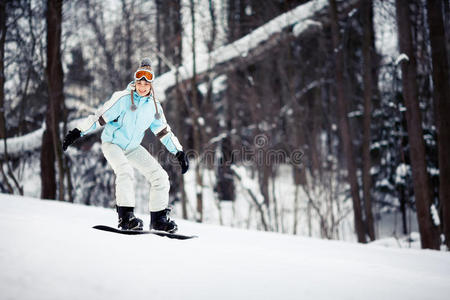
(160, 221)
(127, 220)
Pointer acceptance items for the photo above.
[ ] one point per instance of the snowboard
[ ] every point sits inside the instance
(135, 232)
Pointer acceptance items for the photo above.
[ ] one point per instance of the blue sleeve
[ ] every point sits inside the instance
(109, 111)
(113, 108)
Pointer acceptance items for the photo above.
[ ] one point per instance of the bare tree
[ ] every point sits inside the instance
(196, 128)
(428, 230)
(169, 56)
(127, 13)
(441, 93)
(51, 145)
(97, 22)
(368, 54)
(344, 128)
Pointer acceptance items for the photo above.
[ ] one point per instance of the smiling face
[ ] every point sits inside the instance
(143, 87)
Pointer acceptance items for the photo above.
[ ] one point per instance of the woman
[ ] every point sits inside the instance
(126, 116)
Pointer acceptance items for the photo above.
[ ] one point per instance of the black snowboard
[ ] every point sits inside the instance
(134, 232)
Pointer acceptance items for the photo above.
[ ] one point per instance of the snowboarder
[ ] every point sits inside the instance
(126, 116)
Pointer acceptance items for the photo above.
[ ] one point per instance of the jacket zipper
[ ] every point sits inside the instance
(121, 125)
(135, 121)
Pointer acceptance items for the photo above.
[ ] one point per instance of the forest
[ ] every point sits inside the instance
(305, 117)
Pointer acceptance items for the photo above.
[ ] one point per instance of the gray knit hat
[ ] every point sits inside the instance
(146, 63)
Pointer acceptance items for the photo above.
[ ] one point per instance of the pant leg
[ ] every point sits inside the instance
(148, 166)
(124, 174)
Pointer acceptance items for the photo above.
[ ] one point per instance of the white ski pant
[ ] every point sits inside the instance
(123, 162)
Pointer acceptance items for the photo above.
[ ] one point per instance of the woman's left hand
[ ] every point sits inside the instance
(71, 137)
(183, 160)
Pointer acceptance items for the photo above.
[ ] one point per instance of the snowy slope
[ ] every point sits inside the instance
(49, 251)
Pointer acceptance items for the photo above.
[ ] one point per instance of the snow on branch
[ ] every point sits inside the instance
(29, 142)
(18, 145)
(248, 48)
(402, 57)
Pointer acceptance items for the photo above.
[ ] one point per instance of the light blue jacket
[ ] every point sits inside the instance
(125, 127)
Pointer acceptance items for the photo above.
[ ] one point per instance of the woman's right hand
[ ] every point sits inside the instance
(71, 137)
(183, 160)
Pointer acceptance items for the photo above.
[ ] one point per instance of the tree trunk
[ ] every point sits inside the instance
(180, 122)
(51, 146)
(97, 23)
(168, 32)
(403, 209)
(447, 21)
(441, 93)
(48, 181)
(428, 231)
(127, 15)
(195, 125)
(368, 50)
(158, 33)
(169, 43)
(344, 128)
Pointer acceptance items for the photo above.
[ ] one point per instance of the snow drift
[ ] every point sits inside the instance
(48, 250)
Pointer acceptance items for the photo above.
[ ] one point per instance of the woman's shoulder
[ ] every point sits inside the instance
(120, 94)
(116, 98)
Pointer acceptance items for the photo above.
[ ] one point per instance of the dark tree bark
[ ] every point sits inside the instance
(158, 33)
(428, 231)
(441, 93)
(344, 128)
(48, 181)
(169, 43)
(127, 13)
(368, 54)
(51, 144)
(447, 21)
(169, 38)
(225, 183)
(97, 22)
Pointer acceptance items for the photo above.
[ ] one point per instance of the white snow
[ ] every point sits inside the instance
(48, 250)
(201, 121)
(218, 85)
(401, 172)
(33, 140)
(411, 241)
(435, 215)
(385, 27)
(27, 142)
(402, 57)
(301, 27)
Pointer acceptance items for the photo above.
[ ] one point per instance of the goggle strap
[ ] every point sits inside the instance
(133, 107)
(157, 115)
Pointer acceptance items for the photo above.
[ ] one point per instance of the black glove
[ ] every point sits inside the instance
(71, 137)
(183, 160)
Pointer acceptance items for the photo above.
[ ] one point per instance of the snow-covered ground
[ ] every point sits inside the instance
(48, 250)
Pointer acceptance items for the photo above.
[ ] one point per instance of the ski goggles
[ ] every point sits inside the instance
(148, 75)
